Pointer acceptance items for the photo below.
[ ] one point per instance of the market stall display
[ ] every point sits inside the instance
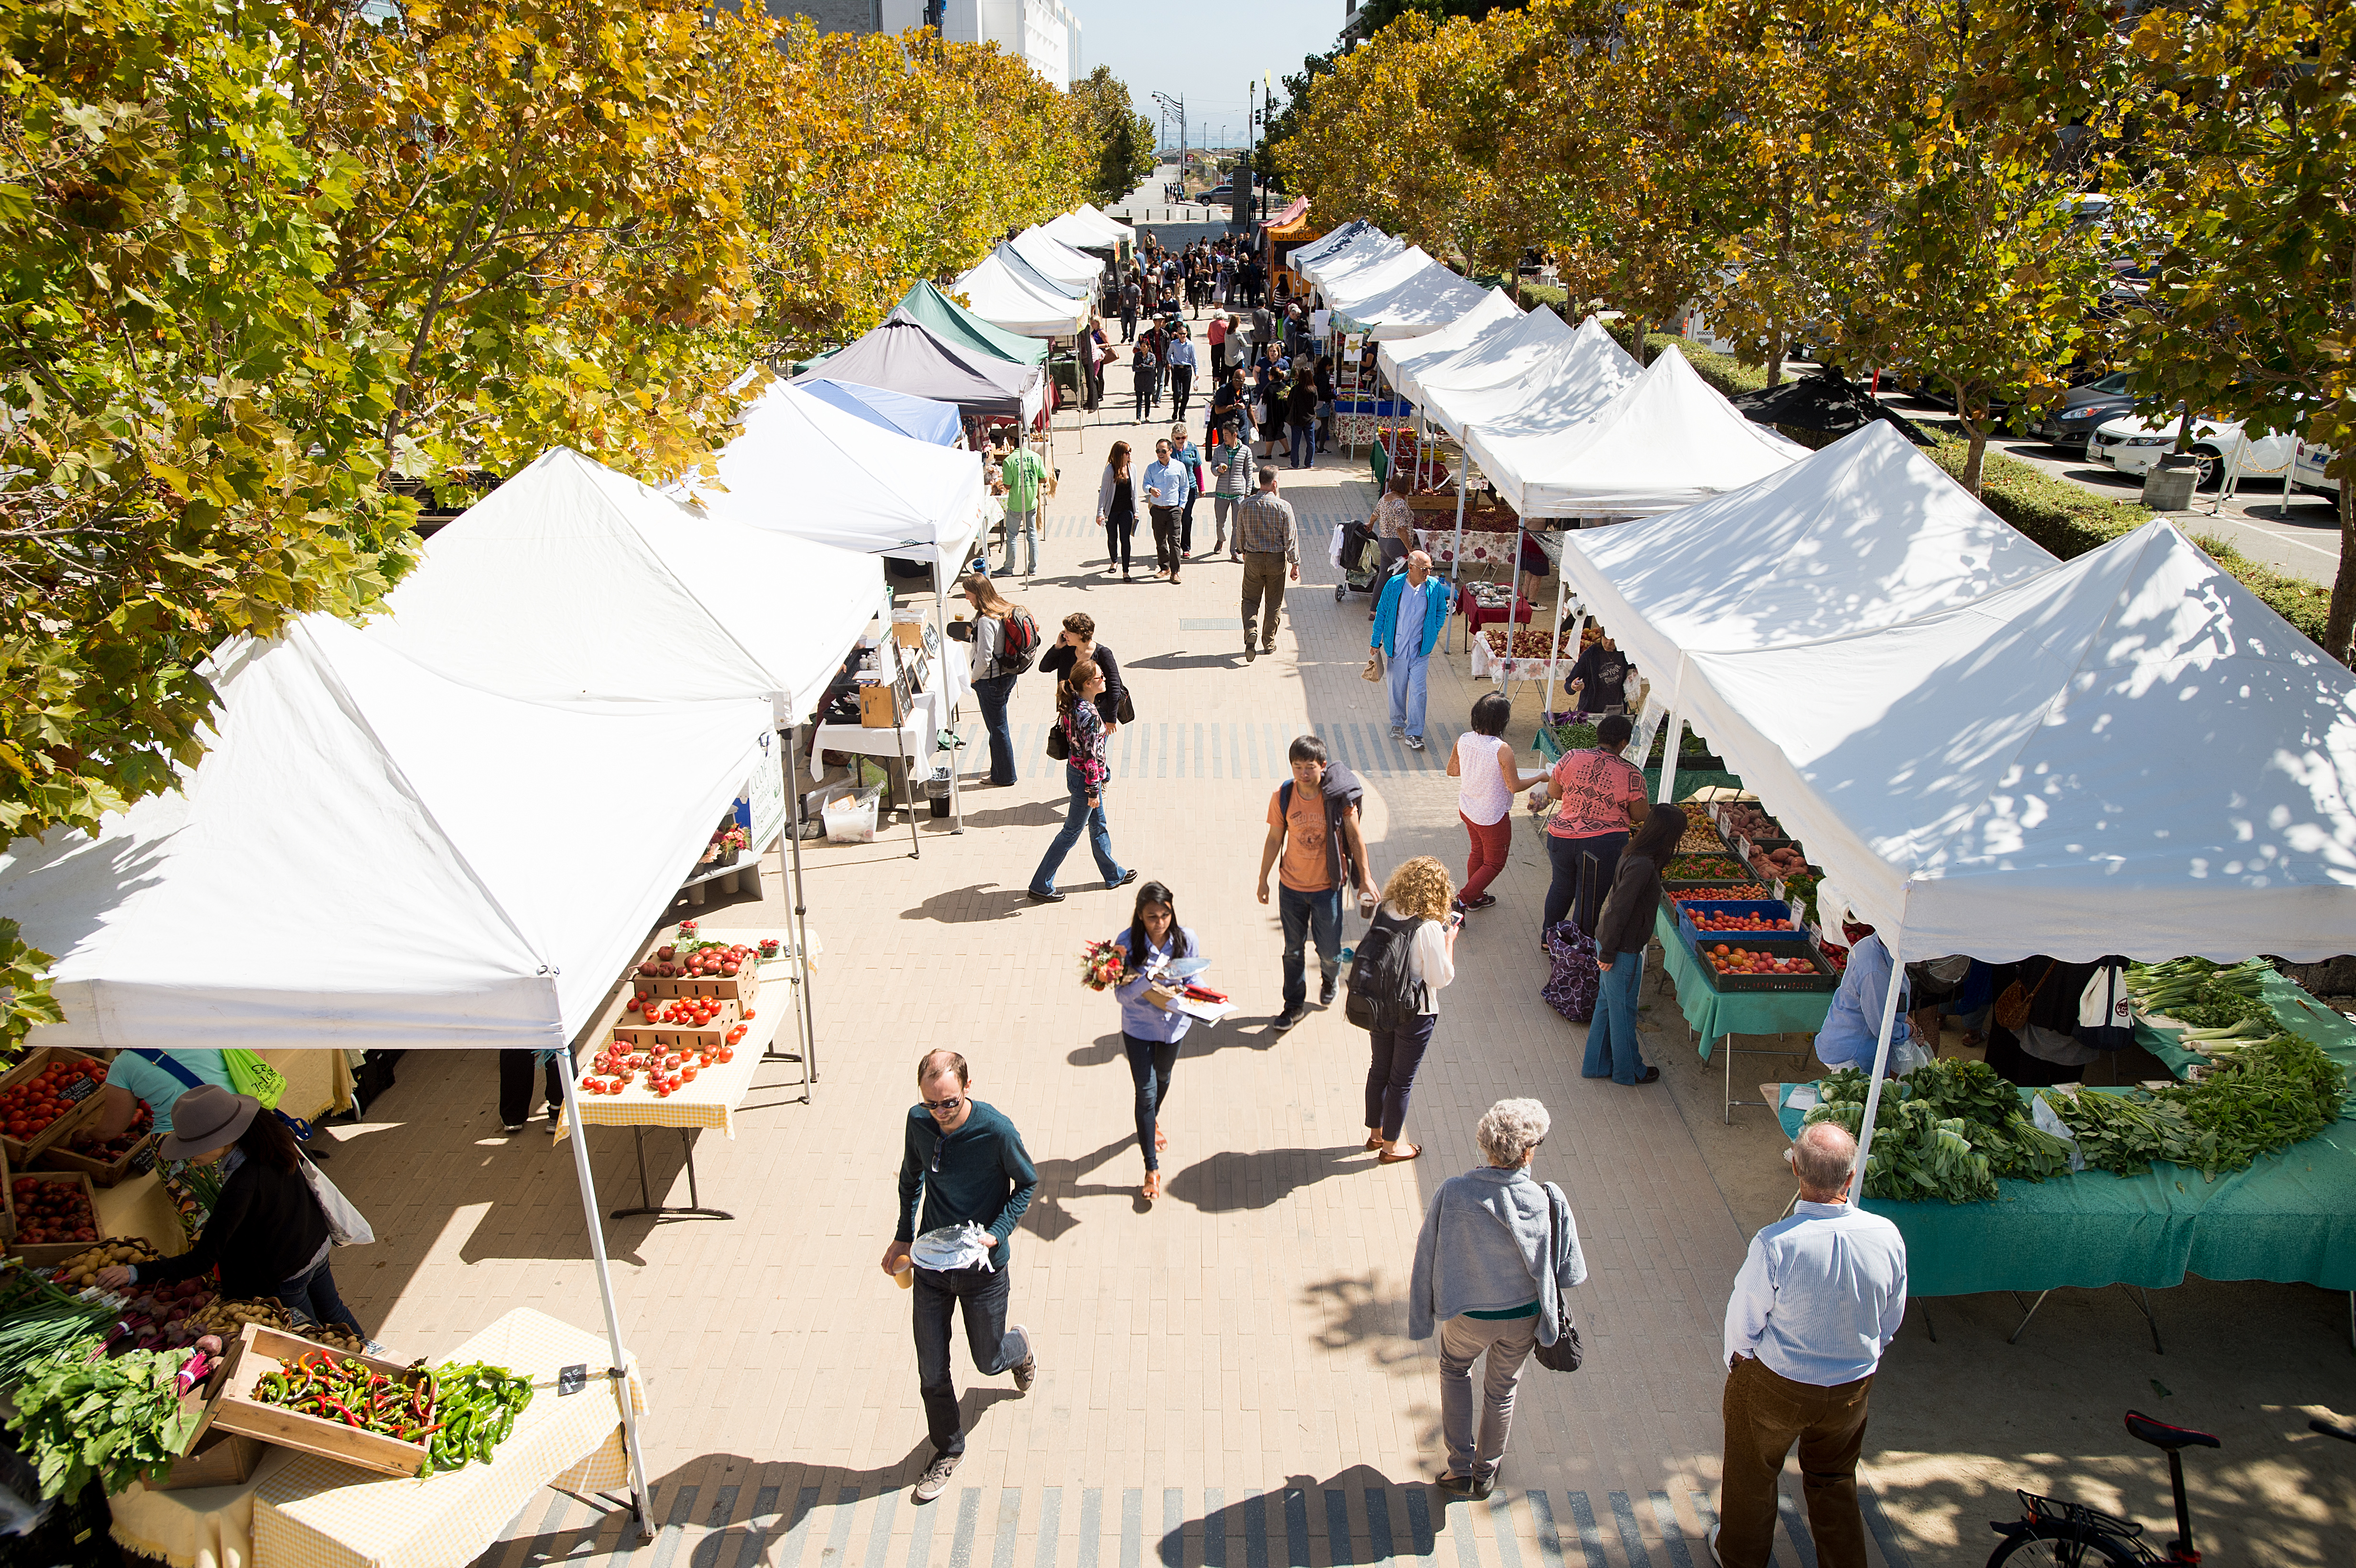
(49, 1094)
(325, 1513)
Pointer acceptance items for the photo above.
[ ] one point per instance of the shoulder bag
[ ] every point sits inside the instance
(347, 1227)
(2011, 1009)
(1566, 1354)
(1059, 742)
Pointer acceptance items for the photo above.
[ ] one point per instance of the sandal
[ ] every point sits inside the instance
(1152, 1185)
(1389, 1156)
(1374, 1140)
(1160, 1138)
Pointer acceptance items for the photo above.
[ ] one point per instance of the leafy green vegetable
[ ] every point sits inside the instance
(2255, 1098)
(39, 1321)
(77, 1418)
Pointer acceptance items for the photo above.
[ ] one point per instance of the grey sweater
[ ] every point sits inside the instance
(1488, 1246)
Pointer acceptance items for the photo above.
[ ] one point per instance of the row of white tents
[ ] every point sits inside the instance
(1044, 282)
(1990, 750)
(453, 828)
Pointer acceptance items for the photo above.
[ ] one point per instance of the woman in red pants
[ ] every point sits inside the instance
(1484, 762)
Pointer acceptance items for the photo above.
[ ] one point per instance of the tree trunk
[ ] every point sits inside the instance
(1975, 430)
(2342, 619)
(1636, 334)
(1776, 358)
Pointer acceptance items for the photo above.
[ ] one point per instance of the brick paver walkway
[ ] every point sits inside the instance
(1224, 1379)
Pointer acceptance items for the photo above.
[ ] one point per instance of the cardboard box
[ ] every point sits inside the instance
(20, 1151)
(675, 1037)
(909, 634)
(879, 706)
(216, 1459)
(740, 988)
(256, 1354)
(48, 1254)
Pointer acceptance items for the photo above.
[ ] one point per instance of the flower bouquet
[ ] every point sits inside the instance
(1100, 965)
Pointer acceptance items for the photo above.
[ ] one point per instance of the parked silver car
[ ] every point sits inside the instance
(2308, 461)
(2071, 423)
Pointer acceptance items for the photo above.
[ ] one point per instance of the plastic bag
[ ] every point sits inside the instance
(852, 820)
(951, 1247)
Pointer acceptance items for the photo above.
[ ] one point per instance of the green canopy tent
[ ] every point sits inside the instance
(952, 322)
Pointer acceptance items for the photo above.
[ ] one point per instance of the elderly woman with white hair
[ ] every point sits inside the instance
(1497, 1251)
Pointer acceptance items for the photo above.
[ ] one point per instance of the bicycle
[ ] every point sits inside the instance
(2071, 1535)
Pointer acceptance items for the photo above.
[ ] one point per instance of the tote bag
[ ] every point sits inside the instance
(347, 1227)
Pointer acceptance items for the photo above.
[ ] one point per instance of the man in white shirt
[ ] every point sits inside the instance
(1819, 1298)
(1165, 491)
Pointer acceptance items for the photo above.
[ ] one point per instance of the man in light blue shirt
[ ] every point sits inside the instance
(1166, 484)
(1852, 1031)
(1819, 1298)
(1409, 619)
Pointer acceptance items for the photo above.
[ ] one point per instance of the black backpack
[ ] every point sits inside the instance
(1382, 993)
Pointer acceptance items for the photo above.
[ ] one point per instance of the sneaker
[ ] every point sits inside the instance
(1414, 743)
(1459, 1486)
(1039, 898)
(1126, 878)
(511, 1128)
(1325, 990)
(373, 1349)
(1398, 731)
(935, 1478)
(1283, 1021)
(1484, 901)
(1026, 1371)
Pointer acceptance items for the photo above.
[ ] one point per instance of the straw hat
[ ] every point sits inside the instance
(207, 1117)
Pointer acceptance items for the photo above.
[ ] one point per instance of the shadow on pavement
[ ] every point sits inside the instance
(1236, 1179)
(965, 905)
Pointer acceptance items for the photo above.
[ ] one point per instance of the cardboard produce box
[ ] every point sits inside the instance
(83, 1097)
(136, 1160)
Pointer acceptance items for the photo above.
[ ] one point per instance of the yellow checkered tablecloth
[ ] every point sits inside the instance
(711, 1100)
(301, 1509)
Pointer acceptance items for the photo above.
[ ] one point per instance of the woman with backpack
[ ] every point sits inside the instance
(998, 658)
(1621, 930)
(1149, 1030)
(1407, 954)
(1079, 738)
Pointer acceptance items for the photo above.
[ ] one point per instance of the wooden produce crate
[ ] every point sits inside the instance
(20, 1151)
(136, 1160)
(48, 1254)
(213, 1458)
(673, 1037)
(257, 1353)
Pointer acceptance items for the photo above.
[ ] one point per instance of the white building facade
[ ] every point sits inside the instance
(1043, 33)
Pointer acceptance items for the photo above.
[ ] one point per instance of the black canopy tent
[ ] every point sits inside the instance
(1827, 403)
(904, 355)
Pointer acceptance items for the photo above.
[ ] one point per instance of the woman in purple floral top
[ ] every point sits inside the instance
(1085, 775)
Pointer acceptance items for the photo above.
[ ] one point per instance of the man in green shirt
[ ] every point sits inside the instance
(1023, 473)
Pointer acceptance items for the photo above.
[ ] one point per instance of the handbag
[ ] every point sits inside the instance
(347, 1227)
(1567, 1353)
(1059, 742)
(1575, 980)
(2011, 1009)
(1124, 711)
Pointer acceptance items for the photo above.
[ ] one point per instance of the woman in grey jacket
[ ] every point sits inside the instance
(1497, 1250)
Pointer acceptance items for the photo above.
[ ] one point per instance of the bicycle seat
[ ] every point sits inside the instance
(2162, 1435)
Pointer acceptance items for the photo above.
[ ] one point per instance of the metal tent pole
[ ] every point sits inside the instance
(940, 625)
(1554, 643)
(1676, 728)
(798, 927)
(1456, 562)
(642, 1500)
(1881, 1050)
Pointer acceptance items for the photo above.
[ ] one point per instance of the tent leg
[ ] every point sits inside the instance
(1554, 648)
(1676, 728)
(797, 925)
(1578, 630)
(1456, 575)
(957, 803)
(641, 1500)
(1880, 1054)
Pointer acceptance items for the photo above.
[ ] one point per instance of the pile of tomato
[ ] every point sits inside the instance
(1744, 961)
(1704, 920)
(1715, 895)
(679, 1012)
(51, 1211)
(667, 1072)
(28, 1107)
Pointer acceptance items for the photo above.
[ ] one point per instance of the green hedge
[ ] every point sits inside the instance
(2066, 518)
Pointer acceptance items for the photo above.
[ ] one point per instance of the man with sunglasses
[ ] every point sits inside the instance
(971, 1166)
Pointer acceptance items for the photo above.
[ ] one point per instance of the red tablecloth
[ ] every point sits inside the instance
(1479, 616)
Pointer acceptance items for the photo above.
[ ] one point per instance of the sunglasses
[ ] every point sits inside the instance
(942, 1107)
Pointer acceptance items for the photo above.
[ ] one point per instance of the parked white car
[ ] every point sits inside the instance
(2308, 461)
(2135, 443)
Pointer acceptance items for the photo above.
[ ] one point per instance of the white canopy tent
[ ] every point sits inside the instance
(1366, 248)
(1400, 358)
(1089, 219)
(1054, 259)
(799, 466)
(1425, 301)
(1505, 358)
(1346, 291)
(1574, 379)
(2128, 754)
(1667, 441)
(635, 597)
(1008, 292)
(371, 855)
(1326, 244)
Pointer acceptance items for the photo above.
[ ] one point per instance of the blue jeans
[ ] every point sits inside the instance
(311, 1295)
(1023, 526)
(1081, 819)
(1149, 1064)
(1304, 913)
(1397, 1053)
(1304, 445)
(938, 1293)
(992, 692)
(1406, 674)
(1612, 1050)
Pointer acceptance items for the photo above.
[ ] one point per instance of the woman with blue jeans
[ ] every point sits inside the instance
(1085, 775)
(1150, 1032)
(1621, 930)
(992, 687)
